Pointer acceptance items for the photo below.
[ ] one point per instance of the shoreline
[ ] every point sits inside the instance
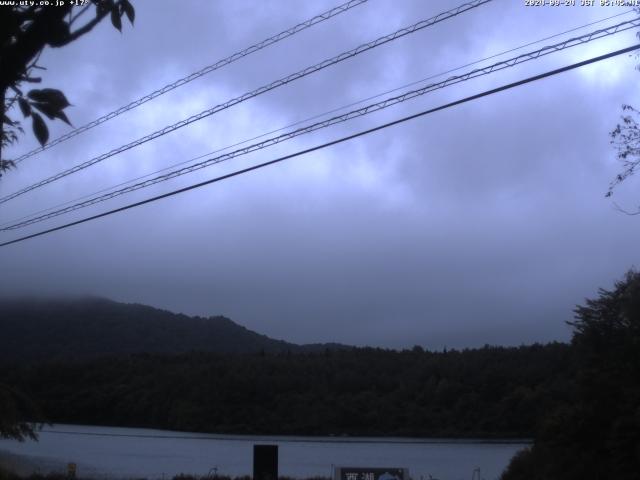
(122, 453)
(76, 429)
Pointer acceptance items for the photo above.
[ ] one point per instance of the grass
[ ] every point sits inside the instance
(8, 475)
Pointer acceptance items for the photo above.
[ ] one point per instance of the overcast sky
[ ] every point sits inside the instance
(483, 223)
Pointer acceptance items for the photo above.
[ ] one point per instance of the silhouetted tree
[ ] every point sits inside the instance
(24, 32)
(597, 435)
(626, 139)
(17, 415)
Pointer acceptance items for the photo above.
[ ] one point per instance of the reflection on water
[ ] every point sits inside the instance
(145, 453)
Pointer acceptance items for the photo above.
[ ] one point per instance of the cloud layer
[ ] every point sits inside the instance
(484, 223)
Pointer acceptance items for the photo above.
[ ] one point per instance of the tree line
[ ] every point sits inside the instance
(486, 392)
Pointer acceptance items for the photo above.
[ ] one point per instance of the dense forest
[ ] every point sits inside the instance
(495, 392)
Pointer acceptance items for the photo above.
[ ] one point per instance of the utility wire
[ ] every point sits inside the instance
(266, 88)
(386, 103)
(333, 142)
(217, 437)
(208, 69)
(308, 119)
(314, 117)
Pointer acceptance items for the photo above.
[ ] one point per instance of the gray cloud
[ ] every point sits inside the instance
(485, 223)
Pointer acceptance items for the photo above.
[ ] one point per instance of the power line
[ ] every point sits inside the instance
(208, 69)
(386, 103)
(333, 142)
(314, 117)
(338, 119)
(308, 119)
(266, 88)
(215, 437)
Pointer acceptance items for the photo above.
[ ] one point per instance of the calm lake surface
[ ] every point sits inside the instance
(145, 453)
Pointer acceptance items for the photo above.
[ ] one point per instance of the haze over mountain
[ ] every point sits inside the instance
(80, 328)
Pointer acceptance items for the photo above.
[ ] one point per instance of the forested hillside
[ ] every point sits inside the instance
(493, 391)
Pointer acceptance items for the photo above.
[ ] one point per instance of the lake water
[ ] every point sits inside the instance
(154, 454)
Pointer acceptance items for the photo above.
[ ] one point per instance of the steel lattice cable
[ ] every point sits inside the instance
(374, 107)
(329, 144)
(204, 71)
(266, 88)
(308, 119)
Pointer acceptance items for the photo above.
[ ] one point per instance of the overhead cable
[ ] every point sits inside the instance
(371, 108)
(204, 71)
(308, 119)
(266, 88)
(328, 144)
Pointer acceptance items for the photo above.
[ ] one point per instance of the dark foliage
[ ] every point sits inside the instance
(15, 408)
(488, 392)
(26, 28)
(598, 435)
(626, 140)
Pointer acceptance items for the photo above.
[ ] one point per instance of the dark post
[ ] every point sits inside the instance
(71, 471)
(265, 462)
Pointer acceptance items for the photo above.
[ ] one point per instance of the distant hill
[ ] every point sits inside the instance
(35, 330)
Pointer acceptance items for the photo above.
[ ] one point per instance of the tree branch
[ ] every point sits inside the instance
(626, 212)
(79, 14)
(83, 30)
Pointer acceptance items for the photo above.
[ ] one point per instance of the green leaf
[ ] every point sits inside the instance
(40, 129)
(51, 112)
(24, 106)
(51, 96)
(129, 11)
(37, 95)
(62, 116)
(115, 19)
(45, 108)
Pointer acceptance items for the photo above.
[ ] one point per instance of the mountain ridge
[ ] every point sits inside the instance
(36, 329)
